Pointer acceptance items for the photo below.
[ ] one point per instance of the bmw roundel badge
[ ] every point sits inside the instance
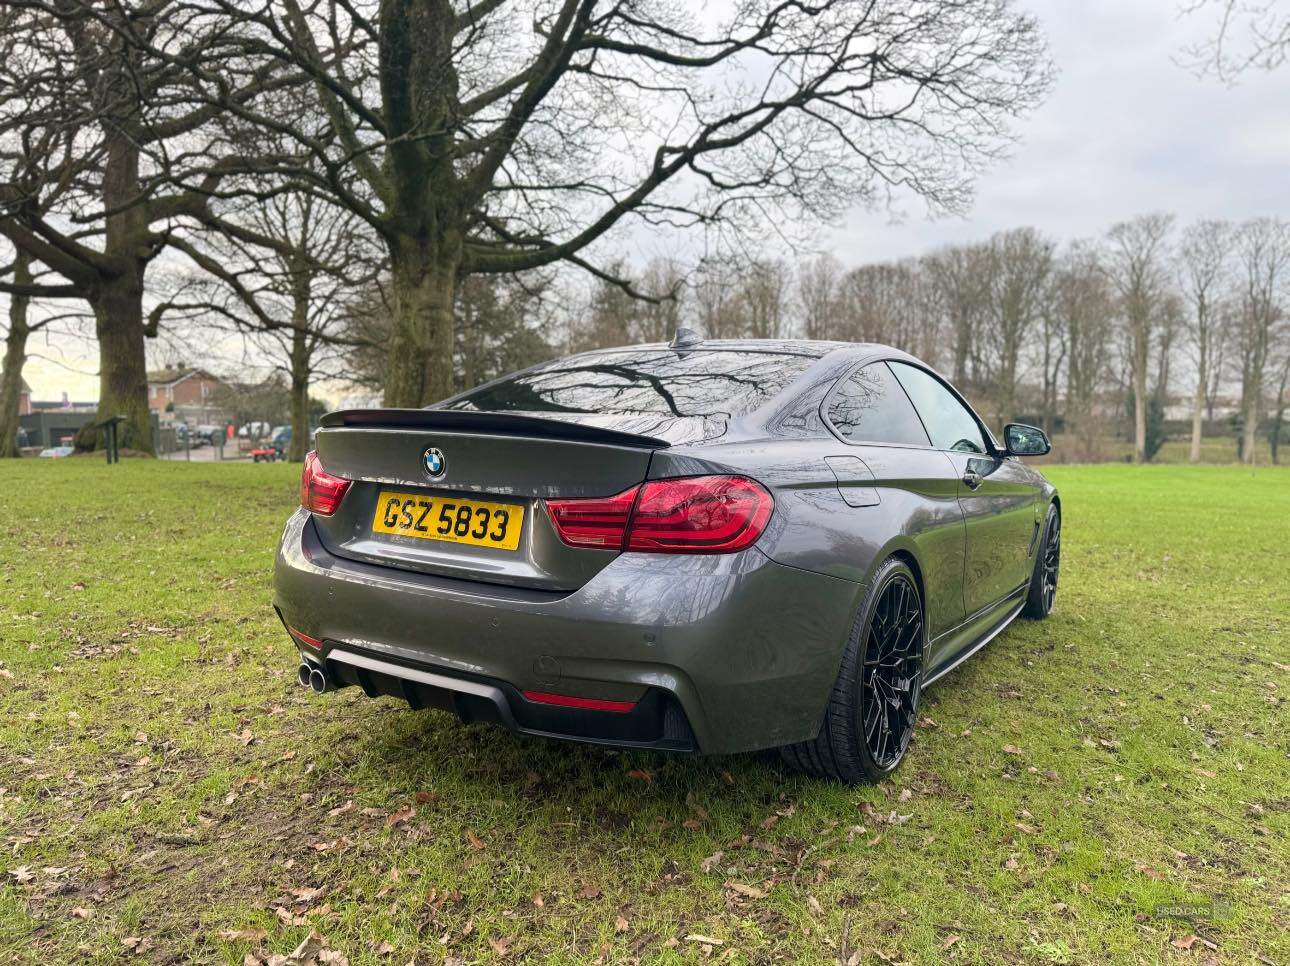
(435, 462)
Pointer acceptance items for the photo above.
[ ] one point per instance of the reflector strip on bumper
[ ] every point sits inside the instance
(586, 704)
(305, 639)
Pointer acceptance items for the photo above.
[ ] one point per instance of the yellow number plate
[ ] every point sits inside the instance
(456, 521)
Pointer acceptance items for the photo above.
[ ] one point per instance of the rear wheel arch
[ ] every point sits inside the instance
(911, 561)
(840, 749)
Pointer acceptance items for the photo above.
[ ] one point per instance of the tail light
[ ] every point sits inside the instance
(694, 514)
(320, 492)
(699, 514)
(599, 522)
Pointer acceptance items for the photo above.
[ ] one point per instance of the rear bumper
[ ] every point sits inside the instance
(720, 654)
(656, 721)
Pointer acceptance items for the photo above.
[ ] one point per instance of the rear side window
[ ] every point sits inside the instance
(948, 421)
(679, 397)
(870, 407)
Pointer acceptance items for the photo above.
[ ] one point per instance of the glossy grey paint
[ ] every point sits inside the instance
(750, 642)
(745, 643)
(509, 469)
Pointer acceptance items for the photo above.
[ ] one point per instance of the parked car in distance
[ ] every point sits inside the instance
(208, 433)
(703, 546)
(56, 452)
(281, 440)
(186, 437)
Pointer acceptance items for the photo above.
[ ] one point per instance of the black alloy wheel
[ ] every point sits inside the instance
(1052, 562)
(892, 662)
(873, 708)
(1043, 582)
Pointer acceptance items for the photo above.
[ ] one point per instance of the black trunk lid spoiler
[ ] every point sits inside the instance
(506, 424)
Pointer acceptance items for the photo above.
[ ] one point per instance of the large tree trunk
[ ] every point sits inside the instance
(118, 301)
(15, 355)
(419, 371)
(123, 370)
(300, 366)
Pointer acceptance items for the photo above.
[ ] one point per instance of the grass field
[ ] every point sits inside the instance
(1176, 449)
(168, 792)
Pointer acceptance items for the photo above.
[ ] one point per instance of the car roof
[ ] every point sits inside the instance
(816, 348)
(837, 352)
(826, 361)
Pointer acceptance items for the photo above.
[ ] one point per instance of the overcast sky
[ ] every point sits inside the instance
(1125, 130)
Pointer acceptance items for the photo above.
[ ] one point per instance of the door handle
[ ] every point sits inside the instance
(972, 480)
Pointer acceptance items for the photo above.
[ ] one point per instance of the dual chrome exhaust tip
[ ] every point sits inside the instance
(314, 677)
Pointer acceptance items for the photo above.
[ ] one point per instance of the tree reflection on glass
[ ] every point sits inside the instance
(679, 397)
(870, 407)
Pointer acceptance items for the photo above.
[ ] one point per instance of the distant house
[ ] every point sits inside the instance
(24, 398)
(63, 405)
(188, 395)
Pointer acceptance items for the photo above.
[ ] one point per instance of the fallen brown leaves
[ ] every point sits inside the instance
(400, 816)
(747, 891)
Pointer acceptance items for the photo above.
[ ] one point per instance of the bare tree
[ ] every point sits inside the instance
(33, 159)
(1204, 257)
(661, 314)
(1054, 341)
(1021, 262)
(280, 272)
(610, 315)
(1247, 35)
(881, 304)
(716, 297)
(505, 135)
(105, 91)
(22, 325)
(962, 273)
(1169, 323)
(1263, 258)
(502, 325)
(1082, 299)
(818, 294)
(1135, 264)
(15, 355)
(764, 298)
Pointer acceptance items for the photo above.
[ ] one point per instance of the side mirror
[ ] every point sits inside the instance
(1022, 440)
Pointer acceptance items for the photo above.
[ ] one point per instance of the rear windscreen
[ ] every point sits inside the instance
(681, 398)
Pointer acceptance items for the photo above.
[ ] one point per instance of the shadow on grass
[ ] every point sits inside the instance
(432, 750)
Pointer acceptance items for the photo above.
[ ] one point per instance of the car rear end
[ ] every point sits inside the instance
(551, 570)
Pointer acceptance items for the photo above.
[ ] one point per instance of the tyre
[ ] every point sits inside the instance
(1043, 580)
(874, 703)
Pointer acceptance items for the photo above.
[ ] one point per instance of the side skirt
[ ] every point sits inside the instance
(981, 642)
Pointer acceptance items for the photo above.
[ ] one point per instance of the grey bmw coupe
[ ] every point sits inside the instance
(706, 546)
